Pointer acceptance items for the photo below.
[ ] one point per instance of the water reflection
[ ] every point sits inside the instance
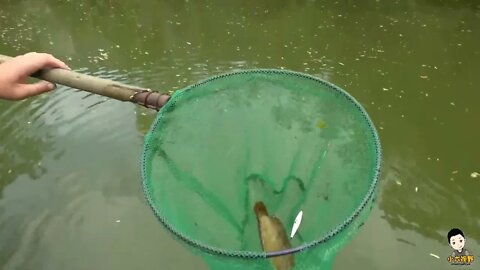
(89, 149)
(430, 204)
(24, 142)
(412, 64)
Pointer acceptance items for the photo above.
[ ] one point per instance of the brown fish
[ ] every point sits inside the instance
(273, 237)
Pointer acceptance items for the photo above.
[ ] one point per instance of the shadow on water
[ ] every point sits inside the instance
(23, 143)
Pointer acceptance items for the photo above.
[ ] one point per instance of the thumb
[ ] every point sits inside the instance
(28, 90)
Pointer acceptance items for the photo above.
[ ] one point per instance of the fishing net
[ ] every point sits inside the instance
(284, 138)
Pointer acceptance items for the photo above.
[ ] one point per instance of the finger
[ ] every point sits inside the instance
(32, 62)
(29, 90)
(50, 61)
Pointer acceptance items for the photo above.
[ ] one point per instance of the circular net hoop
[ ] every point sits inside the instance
(288, 139)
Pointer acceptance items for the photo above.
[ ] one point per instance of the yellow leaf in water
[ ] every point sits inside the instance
(321, 124)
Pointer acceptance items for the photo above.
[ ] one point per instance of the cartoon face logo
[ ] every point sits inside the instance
(456, 239)
(460, 255)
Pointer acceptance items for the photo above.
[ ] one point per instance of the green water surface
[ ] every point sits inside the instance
(70, 193)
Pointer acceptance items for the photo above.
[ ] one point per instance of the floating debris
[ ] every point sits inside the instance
(118, 220)
(454, 172)
(424, 77)
(398, 182)
(104, 55)
(405, 242)
(434, 255)
(321, 124)
(296, 224)
(475, 174)
(416, 189)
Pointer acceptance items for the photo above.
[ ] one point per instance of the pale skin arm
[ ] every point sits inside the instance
(14, 73)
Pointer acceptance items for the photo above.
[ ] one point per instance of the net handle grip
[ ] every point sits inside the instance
(104, 87)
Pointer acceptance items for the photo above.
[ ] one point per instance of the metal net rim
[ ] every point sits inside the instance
(370, 195)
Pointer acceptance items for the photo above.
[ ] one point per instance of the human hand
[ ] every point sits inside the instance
(14, 73)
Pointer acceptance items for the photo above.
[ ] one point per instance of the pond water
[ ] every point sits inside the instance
(70, 193)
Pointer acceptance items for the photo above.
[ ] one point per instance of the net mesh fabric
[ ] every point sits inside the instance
(288, 139)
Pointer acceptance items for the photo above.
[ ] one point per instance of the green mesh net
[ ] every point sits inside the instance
(288, 139)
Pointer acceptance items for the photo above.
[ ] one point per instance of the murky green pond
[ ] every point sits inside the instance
(70, 193)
